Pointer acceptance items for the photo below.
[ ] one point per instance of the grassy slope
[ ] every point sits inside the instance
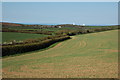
(10, 36)
(85, 56)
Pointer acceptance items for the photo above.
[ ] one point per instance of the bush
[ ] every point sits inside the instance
(21, 48)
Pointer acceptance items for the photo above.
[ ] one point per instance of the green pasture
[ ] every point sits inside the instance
(10, 36)
(62, 28)
(92, 55)
(48, 28)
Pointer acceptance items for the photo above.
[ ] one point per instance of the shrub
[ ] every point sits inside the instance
(21, 48)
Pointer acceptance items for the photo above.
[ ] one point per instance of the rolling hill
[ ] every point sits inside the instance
(92, 55)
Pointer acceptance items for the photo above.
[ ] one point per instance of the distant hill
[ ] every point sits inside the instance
(10, 24)
(7, 24)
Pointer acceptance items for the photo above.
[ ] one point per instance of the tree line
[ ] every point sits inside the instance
(31, 46)
(28, 31)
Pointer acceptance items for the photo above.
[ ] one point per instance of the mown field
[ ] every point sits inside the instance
(92, 55)
(10, 36)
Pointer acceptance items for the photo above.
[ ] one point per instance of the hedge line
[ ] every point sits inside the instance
(27, 31)
(84, 30)
(31, 45)
(16, 49)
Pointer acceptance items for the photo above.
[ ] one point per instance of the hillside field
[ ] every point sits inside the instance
(92, 55)
(10, 36)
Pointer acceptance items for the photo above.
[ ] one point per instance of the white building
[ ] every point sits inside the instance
(83, 24)
(73, 23)
(59, 26)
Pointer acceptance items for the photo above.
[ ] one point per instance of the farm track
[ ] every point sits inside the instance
(84, 56)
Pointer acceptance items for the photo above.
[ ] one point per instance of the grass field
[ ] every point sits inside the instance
(92, 55)
(10, 36)
(51, 29)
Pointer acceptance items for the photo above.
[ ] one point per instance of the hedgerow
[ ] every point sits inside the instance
(35, 44)
(21, 48)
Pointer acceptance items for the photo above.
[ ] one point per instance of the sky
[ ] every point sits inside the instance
(60, 0)
(98, 13)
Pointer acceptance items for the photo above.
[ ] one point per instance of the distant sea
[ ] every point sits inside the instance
(69, 23)
(76, 24)
(64, 23)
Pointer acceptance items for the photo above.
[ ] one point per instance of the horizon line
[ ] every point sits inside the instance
(55, 23)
